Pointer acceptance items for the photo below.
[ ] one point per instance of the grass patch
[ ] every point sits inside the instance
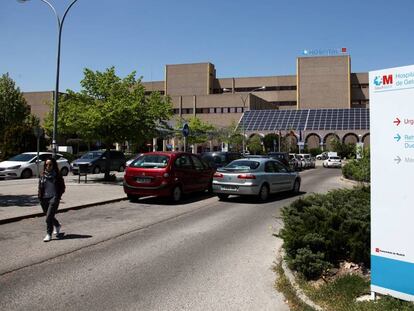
(283, 285)
(341, 294)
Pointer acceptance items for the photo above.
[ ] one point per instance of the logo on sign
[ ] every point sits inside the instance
(383, 82)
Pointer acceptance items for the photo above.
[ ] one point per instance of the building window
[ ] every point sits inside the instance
(239, 109)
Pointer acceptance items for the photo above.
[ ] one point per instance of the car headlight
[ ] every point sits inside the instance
(89, 164)
(13, 167)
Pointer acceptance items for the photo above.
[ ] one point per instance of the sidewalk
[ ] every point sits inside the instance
(18, 197)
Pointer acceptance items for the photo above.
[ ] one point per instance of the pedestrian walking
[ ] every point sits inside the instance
(51, 188)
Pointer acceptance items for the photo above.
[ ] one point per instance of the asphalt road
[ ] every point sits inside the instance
(200, 255)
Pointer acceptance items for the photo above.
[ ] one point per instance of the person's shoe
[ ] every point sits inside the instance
(56, 231)
(47, 238)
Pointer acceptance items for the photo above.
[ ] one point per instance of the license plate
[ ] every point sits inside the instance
(229, 188)
(143, 180)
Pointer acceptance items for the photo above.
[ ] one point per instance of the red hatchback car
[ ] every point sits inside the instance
(167, 174)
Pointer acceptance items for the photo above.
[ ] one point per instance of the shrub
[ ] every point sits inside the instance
(358, 170)
(322, 230)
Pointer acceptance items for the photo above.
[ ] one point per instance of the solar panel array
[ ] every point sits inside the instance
(307, 120)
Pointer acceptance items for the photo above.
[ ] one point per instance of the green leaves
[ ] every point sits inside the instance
(112, 109)
(321, 230)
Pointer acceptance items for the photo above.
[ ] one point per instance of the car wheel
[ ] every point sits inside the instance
(121, 168)
(96, 170)
(133, 198)
(264, 193)
(222, 196)
(64, 171)
(296, 186)
(176, 194)
(27, 173)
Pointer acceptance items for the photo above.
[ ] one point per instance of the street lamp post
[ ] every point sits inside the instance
(56, 97)
(244, 99)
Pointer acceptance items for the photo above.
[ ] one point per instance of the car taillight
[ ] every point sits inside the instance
(246, 176)
(218, 175)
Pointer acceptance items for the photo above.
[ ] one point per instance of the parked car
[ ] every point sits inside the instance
(128, 163)
(295, 163)
(167, 174)
(96, 161)
(219, 158)
(24, 165)
(322, 156)
(254, 176)
(310, 162)
(281, 156)
(333, 161)
(305, 164)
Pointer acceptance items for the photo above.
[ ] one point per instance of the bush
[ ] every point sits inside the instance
(358, 170)
(322, 230)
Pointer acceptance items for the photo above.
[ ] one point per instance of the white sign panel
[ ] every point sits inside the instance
(391, 94)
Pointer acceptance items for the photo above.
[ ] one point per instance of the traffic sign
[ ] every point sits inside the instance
(186, 130)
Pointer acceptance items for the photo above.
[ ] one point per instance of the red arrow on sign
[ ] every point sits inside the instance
(397, 121)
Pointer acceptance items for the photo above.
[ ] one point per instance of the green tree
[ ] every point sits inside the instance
(200, 132)
(111, 109)
(271, 141)
(255, 144)
(16, 122)
(231, 135)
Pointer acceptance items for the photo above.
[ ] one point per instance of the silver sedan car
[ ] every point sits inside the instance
(255, 176)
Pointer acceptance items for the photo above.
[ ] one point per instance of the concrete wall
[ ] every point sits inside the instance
(190, 79)
(324, 82)
(39, 103)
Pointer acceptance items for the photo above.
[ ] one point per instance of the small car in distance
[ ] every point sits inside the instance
(24, 165)
(255, 176)
(220, 158)
(167, 174)
(96, 161)
(333, 161)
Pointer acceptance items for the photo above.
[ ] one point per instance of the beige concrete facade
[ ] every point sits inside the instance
(320, 82)
(39, 103)
(324, 82)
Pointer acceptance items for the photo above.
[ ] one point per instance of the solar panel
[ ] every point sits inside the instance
(308, 120)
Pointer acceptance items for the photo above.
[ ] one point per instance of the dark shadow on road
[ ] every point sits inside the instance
(254, 200)
(18, 200)
(71, 236)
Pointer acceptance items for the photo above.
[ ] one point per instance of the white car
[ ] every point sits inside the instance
(332, 162)
(24, 165)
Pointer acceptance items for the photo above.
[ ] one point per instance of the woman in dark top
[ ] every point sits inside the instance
(51, 188)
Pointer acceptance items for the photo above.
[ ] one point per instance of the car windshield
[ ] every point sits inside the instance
(151, 161)
(242, 165)
(334, 158)
(24, 157)
(92, 155)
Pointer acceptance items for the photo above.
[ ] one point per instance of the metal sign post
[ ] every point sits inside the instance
(38, 132)
(186, 132)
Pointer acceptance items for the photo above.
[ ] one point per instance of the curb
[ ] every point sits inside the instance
(40, 214)
(354, 182)
(298, 291)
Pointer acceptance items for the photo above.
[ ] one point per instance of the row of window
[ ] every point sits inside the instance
(360, 86)
(209, 110)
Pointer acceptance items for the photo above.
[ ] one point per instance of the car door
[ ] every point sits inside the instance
(285, 177)
(185, 173)
(271, 176)
(202, 174)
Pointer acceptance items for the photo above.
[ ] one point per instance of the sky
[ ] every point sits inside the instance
(241, 38)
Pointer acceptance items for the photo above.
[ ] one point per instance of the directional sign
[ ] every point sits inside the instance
(186, 130)
(391, 94)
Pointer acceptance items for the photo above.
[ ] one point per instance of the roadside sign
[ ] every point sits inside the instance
(186, 130)
(37, 131)
(392, 164)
